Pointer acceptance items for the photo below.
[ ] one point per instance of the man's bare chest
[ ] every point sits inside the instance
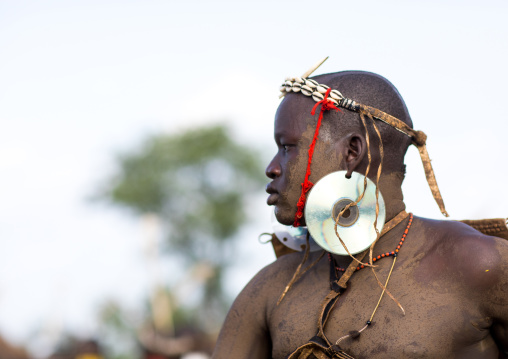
(438, 321)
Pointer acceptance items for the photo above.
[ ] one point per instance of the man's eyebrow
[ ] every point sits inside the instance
(279, 134)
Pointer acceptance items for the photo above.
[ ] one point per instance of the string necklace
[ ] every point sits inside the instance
(356, 333)
(387, 254)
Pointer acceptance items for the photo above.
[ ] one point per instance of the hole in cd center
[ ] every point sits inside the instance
(349, 217)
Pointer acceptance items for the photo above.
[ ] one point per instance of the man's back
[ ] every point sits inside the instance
(450, 279)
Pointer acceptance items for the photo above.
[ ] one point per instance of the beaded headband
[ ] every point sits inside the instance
(323, 94)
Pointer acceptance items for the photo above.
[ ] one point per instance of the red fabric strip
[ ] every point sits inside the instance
(326, 105)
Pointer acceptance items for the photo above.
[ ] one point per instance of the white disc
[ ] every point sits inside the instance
(293, 237)
(356, 227)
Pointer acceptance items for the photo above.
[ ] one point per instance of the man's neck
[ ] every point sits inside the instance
(390, 188)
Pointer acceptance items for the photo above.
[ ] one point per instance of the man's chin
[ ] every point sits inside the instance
(284, 216)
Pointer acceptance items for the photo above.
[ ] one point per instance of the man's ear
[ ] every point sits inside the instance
(354, 149)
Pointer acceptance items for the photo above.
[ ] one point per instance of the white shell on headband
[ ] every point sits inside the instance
(322, 88)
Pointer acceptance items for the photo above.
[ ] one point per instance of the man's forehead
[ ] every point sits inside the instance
(294, 110)
(294, 115)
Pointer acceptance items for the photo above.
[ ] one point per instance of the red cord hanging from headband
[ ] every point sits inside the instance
(326, 105)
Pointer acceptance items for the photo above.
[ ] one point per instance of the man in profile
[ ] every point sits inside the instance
(450, 279)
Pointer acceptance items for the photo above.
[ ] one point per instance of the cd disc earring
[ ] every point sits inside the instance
(329, 196)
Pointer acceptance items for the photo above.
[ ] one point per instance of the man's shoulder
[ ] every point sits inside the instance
(459, 237)
(267, 286)
(279, 272)
(459, 248)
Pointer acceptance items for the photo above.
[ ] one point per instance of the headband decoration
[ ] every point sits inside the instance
(330, 99)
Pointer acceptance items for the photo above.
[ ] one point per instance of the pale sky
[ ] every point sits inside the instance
(81, 81)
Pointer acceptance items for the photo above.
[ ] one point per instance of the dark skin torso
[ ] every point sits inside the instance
(451, 280)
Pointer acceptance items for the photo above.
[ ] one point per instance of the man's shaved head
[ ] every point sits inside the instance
(375, 91)
(342, 143)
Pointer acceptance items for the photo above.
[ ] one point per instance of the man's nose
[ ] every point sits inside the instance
(273, 170)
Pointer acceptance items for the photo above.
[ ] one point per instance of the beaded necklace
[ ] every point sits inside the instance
(387, 254)
(355, 333)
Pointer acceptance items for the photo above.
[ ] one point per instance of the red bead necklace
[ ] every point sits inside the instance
(387, 254)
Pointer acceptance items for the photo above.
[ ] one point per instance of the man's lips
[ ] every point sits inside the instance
(272, 199)
(273, 195)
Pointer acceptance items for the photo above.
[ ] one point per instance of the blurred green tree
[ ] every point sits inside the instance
(198, 184)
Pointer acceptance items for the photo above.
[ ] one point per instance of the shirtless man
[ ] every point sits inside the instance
(451, 280)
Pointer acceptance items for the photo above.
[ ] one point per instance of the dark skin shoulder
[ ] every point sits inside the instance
(451, 280)
(246, 333)
(475, 266)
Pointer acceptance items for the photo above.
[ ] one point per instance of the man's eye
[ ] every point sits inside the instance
(286, 147)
